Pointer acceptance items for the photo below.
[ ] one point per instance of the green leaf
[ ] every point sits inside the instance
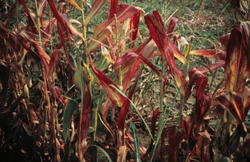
(136, 141)
(105, 153)
(225, 159)
(69, 111)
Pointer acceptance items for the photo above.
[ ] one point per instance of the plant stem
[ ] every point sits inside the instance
(182, 95)
(161, 86)
(161, 93)
(50, 30)
(84, 35)
(38, 24)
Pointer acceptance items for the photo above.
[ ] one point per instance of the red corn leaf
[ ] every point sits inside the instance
(95, 8)
(165, 82)
(123, 12)
(246, 35)
(133, 64)
(56, 92)
(212, 67)
(126, 59)
(167, 49)
(44, 57)
(171, 26)
(186, 126)
(23, 40)
(124, 110)
(56, 13)
(61, 36)
(246, 108)
(146, 50)
(3, 49)
(218, 111)
(70, 26)
(154, 118)
(31, 22)
(134, 25)
(175, 136)
(18, 69)
(60, 30)
(7, 37)
(105, 108)
(84, 121)
(224, 41)
(246, 146)
(46, 32)
(200, 79)
(161, 37)
(54, 57)
(177, 53)
(121, 118)
(203, 102)
(163, 134)
(114, 96)
(113, 6)
(100, 35)
(233, 103)
(217, 54)
(237, 67)
(202, 149)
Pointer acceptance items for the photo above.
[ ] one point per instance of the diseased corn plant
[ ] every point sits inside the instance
(65, 78)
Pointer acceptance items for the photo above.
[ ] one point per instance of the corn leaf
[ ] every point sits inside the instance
(102, 31)
(70, 109)
(74, 4)
(127, 60)
(42, 6)
(233, 103)
(202, 101)
(31, 22)
(120, 121)
(62, 36)
(157, 31)
(154, 119)
(56, 92)
(105, 153)
(113, 7)
(237, 66)
(224, 39)
(54, 58)
(175, 136)
(212, 67)
(56, 14)
(171, 26)
(136, 142)
(129, 70)
(85, 117)
(71, 27)
(95, 8)
(217, 54)
(139, 114)
(134, 25)
(202, 149)
(114, 96)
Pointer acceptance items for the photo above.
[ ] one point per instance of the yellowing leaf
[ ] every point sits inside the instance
(106, 54)
(74, 4)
